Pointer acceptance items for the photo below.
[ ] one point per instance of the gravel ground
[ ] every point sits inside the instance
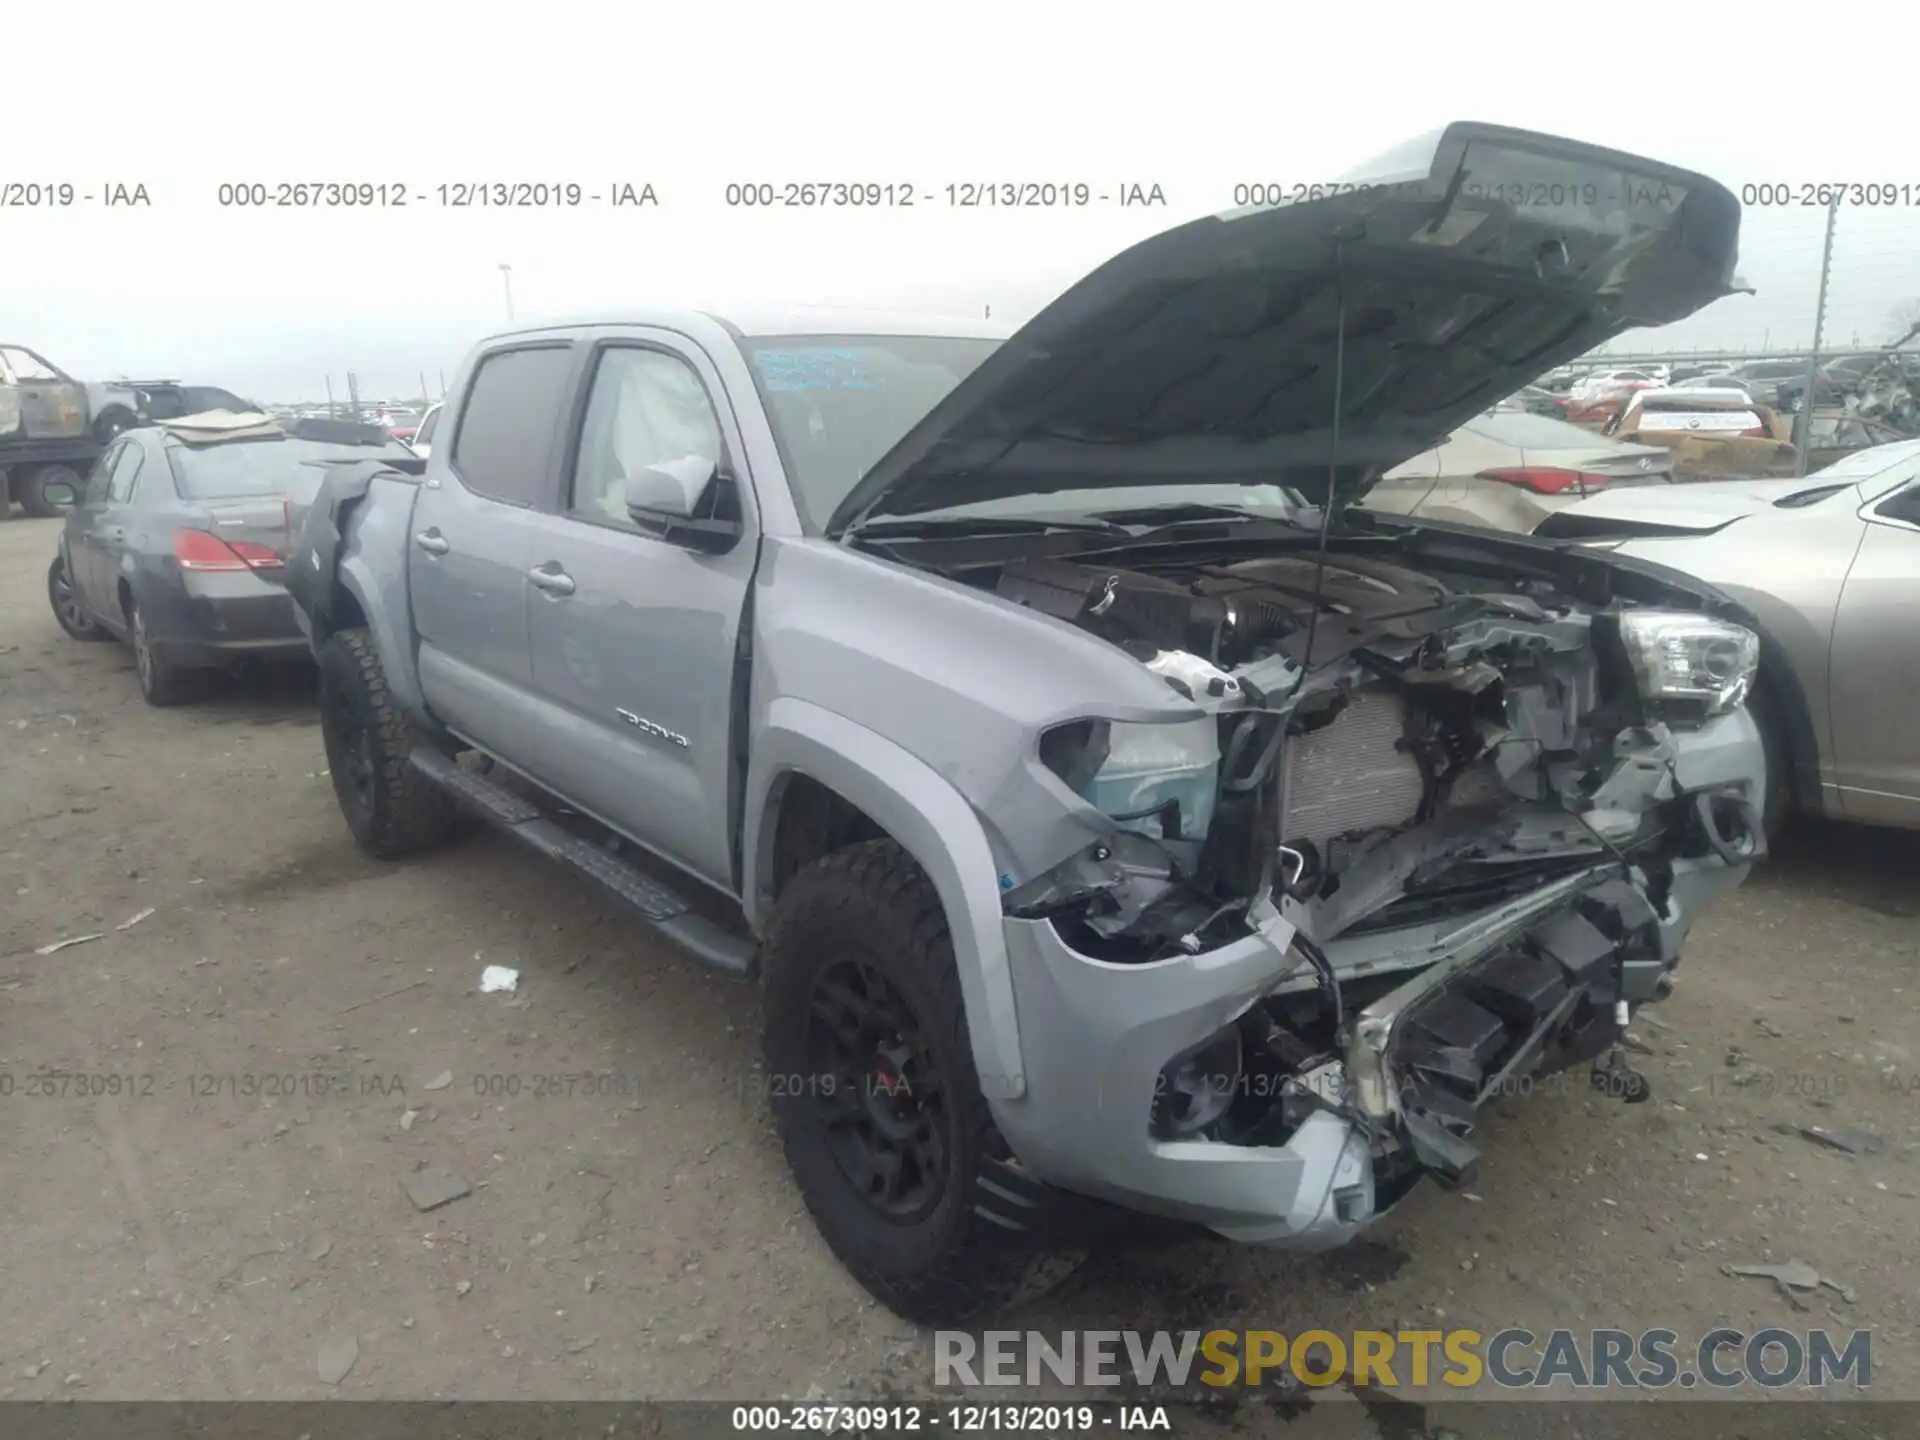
(295, 1030)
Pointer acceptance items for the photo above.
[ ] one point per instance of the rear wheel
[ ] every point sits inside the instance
(874, 1091)
(391, 808)
(48, 490)
(68, 608)
(162, 682)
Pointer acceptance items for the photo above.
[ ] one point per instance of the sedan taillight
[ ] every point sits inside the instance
(1547, 479)
(202, 550)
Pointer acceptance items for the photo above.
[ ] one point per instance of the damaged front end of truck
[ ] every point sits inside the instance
(1486, 811)
(1443, 804)
(1441, 815)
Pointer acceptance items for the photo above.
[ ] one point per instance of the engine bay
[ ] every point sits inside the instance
(1356, 703)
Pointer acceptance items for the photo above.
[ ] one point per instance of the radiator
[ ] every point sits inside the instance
(1349, 776)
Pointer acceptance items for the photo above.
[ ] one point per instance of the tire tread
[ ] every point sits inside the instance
(876, 886)
(410, 812)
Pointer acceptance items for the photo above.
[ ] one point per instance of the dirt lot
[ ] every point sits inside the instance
(189, 1237)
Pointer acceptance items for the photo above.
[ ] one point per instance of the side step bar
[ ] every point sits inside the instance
(666, 912)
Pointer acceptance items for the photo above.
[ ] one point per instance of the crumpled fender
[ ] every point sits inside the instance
(916, 806)
(353, 541)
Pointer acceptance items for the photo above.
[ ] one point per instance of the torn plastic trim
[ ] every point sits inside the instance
(1424, 946)
(1374, 1029)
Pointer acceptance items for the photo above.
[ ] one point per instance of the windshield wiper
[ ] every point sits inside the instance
(1165, 517)
(973, 525)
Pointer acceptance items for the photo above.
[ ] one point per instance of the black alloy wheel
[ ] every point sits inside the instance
(874, 1091)
(886, 1119)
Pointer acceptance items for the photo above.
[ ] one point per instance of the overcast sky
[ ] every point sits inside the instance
(1193, 98)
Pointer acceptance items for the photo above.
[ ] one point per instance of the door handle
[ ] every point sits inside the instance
(431, 541)
(554, 582)
(116, 536)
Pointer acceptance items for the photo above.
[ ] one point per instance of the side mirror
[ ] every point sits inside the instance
(672, 489)
(689, 502)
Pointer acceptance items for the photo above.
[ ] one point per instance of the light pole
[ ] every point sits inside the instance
(506, 282)
(1805, 418)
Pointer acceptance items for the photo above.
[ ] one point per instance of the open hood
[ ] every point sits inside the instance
(1435, 281)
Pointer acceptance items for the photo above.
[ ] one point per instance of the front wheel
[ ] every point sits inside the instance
(392, 809)
(871, 1077)
(1777, 803)
(68, 608)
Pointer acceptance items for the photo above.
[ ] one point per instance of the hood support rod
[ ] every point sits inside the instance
(1333, 460)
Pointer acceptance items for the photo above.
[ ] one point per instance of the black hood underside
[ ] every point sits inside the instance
(1222, 351)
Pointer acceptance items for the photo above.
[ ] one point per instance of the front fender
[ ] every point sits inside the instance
(935, 824)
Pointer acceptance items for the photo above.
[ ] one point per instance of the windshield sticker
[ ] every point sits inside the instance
(824, 369)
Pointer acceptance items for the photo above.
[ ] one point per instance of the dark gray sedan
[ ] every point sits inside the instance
(179, 539)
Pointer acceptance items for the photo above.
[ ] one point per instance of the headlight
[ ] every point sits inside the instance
(1158, 780)
(1690, 658)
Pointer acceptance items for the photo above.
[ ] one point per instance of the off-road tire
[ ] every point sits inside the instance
(872, 900)
(163, 683)
(30, 489)
(392, 809)
(71, 615)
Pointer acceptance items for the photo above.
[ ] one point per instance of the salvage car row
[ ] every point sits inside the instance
(1139, 819)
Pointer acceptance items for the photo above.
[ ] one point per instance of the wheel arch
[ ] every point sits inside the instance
(1783, 700)
(802, 750)
(115, 410)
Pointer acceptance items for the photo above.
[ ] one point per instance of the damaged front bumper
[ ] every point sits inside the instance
(1538, 982)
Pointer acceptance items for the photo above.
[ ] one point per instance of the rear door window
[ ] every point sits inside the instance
(101, 475)
(503, 448)
(126, 474)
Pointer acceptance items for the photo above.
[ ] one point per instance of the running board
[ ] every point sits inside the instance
(664, 910)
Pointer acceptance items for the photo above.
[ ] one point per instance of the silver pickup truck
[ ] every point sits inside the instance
(1129, 834)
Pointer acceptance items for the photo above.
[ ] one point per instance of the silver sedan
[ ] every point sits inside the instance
(1830, 568)
(1509, 470)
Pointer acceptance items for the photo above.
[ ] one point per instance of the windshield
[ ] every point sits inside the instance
(27, 367)
(840, 402)
(257, 467)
